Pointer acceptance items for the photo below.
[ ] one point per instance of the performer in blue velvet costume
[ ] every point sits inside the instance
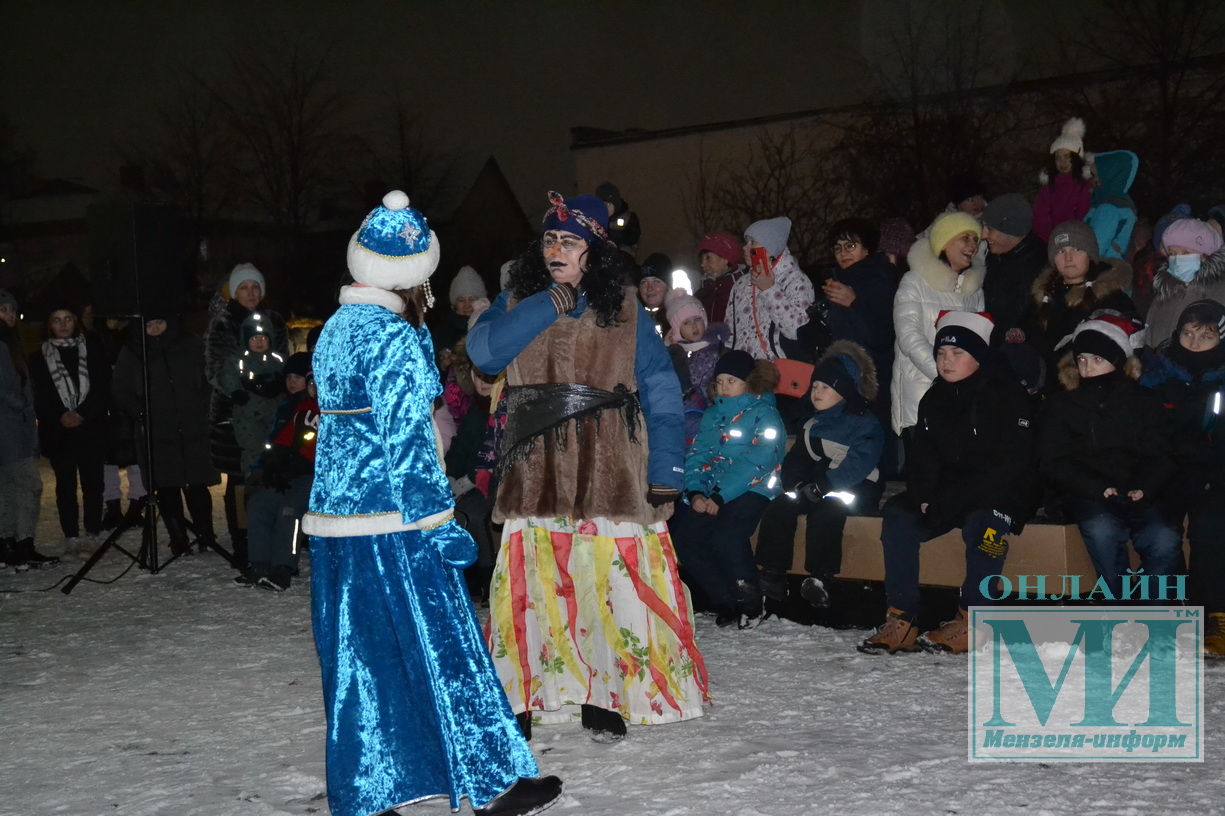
(414, 707)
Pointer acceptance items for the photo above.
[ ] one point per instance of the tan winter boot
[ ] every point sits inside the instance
(951, 636)
(1214, 635)
(896, 634)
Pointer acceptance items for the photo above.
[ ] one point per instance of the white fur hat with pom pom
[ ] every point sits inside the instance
(394, 248)
(1072, 137)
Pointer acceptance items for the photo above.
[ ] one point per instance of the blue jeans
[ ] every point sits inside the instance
(715, 552)
(1107, 524)
(904, 529)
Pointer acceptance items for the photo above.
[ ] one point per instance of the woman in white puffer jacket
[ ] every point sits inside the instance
(945, 274)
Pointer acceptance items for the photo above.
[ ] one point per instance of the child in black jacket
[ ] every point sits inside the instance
(970, 467)
(1105, 448)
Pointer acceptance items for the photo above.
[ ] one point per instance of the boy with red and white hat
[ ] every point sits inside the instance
(969, 467)
(1106, 450)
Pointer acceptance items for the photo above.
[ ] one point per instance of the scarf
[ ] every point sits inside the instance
(72, 391)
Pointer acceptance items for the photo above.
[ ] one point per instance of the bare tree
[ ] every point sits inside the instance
(401, 154)
(16, 164)
(283, 107)
(188, 158)
(1166, 100)
(942, 80)
(790, 171)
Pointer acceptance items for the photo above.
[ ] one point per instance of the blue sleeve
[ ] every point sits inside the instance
(754, 458)
(660, 394)
(862, 456)
(705, 444)
(501, 333)
(402, 384)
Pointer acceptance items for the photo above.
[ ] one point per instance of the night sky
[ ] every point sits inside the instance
(81, 78)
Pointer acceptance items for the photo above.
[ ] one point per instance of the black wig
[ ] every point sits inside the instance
(606, 266)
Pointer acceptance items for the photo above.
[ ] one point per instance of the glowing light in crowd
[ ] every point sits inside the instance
(680, 280)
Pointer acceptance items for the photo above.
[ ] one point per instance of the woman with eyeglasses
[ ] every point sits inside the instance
(588, 617)
(858, 297)
(71, 375)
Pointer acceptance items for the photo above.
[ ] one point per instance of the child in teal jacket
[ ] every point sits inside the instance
(731, 474)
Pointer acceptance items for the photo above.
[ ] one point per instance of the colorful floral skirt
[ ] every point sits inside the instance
(594, 612)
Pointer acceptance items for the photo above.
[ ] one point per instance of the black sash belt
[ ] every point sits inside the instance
(533, 411)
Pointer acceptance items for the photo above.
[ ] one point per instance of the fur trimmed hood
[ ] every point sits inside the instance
(1167, 287)
(762, 379)
(1116, 277)
(939, 276)
(869, 385)
(1069, 375)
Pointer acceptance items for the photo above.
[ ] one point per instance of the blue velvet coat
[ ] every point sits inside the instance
(414, 707)
(378, 470)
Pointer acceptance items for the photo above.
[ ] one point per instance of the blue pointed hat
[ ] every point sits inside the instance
(394, 248)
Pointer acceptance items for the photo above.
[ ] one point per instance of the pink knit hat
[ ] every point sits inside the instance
(681, 306)
(1191, 234)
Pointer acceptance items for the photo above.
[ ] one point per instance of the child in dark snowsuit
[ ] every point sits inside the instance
(829, 473)
(970, 467)
(254, 380)
(283, 483)
(1105, 448)
(1188, 375)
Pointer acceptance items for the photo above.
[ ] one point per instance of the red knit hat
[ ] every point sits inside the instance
(723, 244)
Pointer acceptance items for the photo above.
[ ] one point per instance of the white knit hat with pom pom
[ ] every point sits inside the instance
(1072, 137)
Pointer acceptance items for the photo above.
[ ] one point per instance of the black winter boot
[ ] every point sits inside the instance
(6, 553)
(113, 515)
(525, 724)
(525, 797)
(604, 725)
(773, 586)
(24, 551)
(136, 513)
(180, 544)
(239, 539)
(816, 591)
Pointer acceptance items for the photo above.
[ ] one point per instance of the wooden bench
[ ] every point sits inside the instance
(1042, 549)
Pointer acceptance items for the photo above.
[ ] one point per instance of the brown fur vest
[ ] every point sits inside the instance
(597, 470)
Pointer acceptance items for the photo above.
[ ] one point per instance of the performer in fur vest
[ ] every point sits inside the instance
(414, 709)
(588, 616)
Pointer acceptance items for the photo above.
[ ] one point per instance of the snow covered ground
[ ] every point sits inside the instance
(181, 694)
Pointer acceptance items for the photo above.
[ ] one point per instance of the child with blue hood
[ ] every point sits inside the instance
(830, 473)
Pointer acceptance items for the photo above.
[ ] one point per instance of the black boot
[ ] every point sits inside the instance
(748, 599)
(525, 797)
(113, 515)
(26, 554)
(603, 725)
(136, 513)
(525, 724)
(200, 506)
(816, 591)
(239, 539)
(180, 544)
(773, 585)
(6, 553)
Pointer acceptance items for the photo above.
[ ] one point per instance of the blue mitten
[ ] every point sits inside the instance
(454, 544)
